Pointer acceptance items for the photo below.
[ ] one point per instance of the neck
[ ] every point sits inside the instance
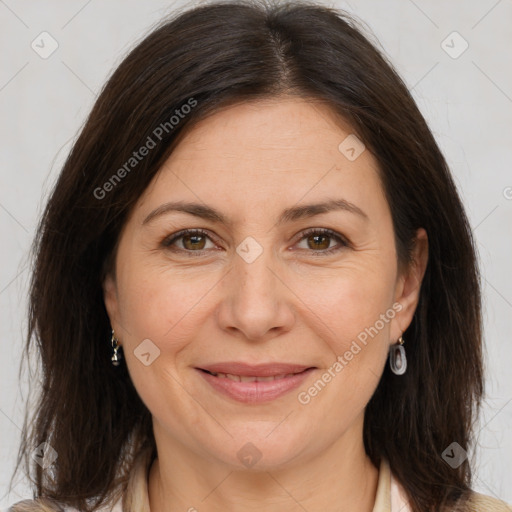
(340, 478)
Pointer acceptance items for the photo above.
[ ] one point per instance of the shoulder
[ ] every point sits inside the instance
(137, 499)
(483, 503)
(37, 505)
(46, 505)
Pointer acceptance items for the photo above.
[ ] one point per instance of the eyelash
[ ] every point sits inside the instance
(168, 241)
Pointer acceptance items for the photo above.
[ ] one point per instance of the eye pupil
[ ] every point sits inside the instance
(195, 237)
(322, 246)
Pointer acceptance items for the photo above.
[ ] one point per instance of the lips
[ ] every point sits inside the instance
(248, 378)
(239, 369)
(255, 389)
(254, 384)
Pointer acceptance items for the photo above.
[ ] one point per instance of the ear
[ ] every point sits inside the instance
(407, 290)
(111, 300)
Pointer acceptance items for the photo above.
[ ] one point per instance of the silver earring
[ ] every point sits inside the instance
(115, 347)
(397, 358)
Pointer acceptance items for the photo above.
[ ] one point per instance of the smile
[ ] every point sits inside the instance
(253, 389)
(247, 378)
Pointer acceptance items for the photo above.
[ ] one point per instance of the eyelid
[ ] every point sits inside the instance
(168, 240)
(342, 241)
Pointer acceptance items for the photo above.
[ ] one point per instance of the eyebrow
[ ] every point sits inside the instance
(289, 215)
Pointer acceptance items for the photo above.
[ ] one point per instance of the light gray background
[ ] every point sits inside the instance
(467, 101)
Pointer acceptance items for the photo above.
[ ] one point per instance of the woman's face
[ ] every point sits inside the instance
(261, 285)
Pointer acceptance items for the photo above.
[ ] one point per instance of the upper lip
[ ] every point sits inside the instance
(259, 370)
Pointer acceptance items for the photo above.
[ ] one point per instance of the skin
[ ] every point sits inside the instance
(251, 161)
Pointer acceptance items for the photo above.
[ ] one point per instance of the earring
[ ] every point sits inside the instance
(397, 358)
(115, 347)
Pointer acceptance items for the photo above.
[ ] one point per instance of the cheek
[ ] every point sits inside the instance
(352, 315)
(162, 305)
(354, 319)
(351, 300)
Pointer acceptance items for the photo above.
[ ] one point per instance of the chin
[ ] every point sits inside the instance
(262, 454)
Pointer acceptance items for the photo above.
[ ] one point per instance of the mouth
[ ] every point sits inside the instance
(239, 368)
(249, 378)
(253, 389)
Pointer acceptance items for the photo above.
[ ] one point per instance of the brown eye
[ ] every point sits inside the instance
(191, 241)
(319, 241)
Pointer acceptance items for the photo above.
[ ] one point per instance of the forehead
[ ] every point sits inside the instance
(271, 125)
(261, 153)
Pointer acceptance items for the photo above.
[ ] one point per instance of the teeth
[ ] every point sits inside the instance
(245, 378)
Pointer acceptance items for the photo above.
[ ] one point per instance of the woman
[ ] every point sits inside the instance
(253, 222)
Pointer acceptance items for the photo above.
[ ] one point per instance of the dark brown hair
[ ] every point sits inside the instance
(209, 57)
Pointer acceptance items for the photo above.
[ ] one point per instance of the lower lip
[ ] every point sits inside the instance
(255, 392)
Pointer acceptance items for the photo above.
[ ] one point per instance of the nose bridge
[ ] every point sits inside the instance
(252, 266)
(253, 303)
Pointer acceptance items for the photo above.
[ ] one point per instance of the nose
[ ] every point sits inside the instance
(256, 302)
